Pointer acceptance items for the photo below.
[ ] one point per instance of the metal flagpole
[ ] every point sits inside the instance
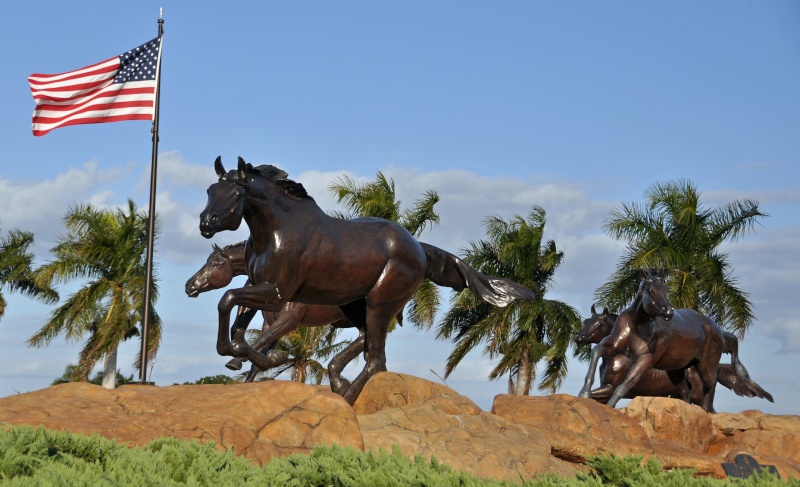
(148, 281)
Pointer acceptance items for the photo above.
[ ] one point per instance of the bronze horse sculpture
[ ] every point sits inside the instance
(614, 369)
(661, 337)
(296, 252)
(223, 264)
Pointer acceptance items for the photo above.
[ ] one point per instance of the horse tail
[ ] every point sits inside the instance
(747, 388)
(445, 269)
(730, 344)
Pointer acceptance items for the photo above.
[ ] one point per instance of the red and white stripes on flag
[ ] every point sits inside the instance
(120, 88)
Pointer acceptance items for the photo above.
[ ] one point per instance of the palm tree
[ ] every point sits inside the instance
(106, 249)
(16, 269)
(379, 199)
(673, 231)
(301, 351)
(526, 332)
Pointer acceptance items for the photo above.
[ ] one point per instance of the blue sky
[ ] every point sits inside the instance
(577, 107)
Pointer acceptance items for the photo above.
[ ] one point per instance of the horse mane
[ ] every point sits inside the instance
(280, 178)
(235, 245)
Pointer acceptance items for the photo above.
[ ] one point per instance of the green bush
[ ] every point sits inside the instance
(36, 456)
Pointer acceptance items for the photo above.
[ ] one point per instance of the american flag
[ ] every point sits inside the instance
(117, 89)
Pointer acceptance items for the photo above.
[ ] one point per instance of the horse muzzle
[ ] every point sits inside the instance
(667, 312)
(191, 290)
(208, 225)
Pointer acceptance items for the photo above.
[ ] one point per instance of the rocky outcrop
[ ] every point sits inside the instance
(682, 423)
(424, 418)
(258, 421)
(521, 437)
(579, 428)
(770, 439)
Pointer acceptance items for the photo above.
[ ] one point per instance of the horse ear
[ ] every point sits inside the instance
(642, 274)
(662, 273)
(593, 311)
(218, 167)
(216, 248)
(242, 170)
(605, 311)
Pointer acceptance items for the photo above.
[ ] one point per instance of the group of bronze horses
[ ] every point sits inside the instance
(368, 268)
(652, 349)
(305, 268)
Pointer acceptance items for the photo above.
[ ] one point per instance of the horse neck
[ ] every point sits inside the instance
(267, 215)
(235, 256)
(639, 313)
(608, 324)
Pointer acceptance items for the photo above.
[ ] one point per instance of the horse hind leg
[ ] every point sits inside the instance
(339, 384)
(597, 352)
(378, 319)
(679, 380)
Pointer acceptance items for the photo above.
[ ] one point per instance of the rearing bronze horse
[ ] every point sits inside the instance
(296, 252)
(659, 336)
(613, 369)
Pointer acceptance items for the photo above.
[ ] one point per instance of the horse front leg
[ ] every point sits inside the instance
(597, 352)
(243, 318)
(612, 372)
(642, 364)
(262, 296)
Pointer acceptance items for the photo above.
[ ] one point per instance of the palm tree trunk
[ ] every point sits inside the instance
(524, 375)
(110, 370)
(512, 389)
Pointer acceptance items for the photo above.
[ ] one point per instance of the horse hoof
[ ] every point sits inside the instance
(585, 395)
(234, 364)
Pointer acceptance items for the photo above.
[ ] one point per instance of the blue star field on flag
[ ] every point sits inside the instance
(139, 64)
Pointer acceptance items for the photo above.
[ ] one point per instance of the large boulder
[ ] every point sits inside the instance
(672, 419)
(257, 420)
(579, 428)
(757, 434)
(424, 418)
(390, 390)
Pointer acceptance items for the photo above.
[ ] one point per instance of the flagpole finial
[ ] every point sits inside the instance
(160, 12)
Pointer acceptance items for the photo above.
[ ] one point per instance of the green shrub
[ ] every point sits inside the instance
(36, 456)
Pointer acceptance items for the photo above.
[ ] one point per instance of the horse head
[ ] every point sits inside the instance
(655, 294)
(225, 206)
(596, 328)
(217, 272)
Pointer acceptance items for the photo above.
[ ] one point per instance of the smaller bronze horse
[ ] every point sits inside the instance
(223, 264)
(659, 336)
(614, 369)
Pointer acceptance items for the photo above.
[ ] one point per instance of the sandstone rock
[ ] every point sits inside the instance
(756, 434)
(578, 428)
(525, 435)
(257, 420)
(388, 390)
(672, 419)
(432, 420)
